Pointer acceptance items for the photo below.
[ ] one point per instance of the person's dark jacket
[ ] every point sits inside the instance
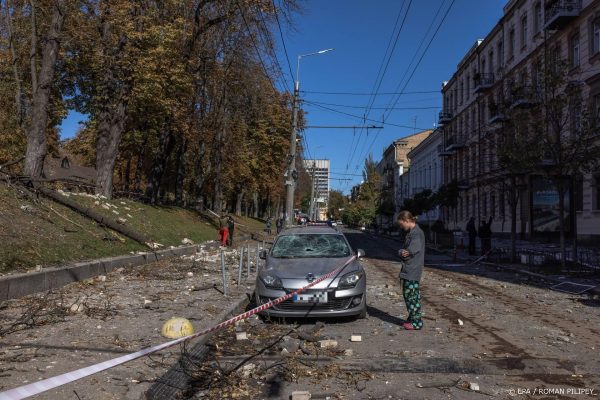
(414, 242)
(471, 228)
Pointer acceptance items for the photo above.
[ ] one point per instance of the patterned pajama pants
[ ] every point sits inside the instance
(412, 299)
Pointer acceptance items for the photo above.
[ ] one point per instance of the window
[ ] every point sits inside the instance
(595, 40)
(500, 55)
(501, 203)
(523, 31)
(473, 205)
(596, 106)
(596, 191)
(578, 193)
(484, 205)
(574, 51)
(468, 89)
(493, 204)
(511, 43)
(537, 15)
(491, 58)
(483, 66)
(462, 92)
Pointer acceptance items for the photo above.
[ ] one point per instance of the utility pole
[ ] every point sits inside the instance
(311, 212)
(292, 174)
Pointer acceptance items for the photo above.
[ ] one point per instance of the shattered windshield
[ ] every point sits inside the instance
(310, 245)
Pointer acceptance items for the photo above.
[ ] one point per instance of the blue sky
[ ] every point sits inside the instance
(360, 31)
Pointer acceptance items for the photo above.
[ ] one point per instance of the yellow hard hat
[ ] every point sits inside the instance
(177, 327)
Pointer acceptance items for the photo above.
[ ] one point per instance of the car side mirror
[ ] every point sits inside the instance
(262, 254)
(360, 253)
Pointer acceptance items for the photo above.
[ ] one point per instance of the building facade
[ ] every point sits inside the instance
(393, 165)
(319, 172)
(500, 74)
(426, 171)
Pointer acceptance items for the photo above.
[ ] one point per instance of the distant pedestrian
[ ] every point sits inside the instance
(230, 228)
(223, 231)
(268, 225)
(413, 260)
(279, 224)
(472, 231)
(485, 234)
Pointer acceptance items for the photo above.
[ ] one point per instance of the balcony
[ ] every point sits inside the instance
(560, 12)
(524, 97)
(442, 152)
(483, 82)
(463, 184)
(496, 114)
(455, 143)
(445, 117)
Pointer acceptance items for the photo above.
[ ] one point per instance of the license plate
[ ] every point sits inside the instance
(317, 297)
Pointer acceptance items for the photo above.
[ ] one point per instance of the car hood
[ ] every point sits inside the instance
(293, 268)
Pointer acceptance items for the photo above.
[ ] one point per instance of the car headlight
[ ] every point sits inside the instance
(350, 280)
(272, 282)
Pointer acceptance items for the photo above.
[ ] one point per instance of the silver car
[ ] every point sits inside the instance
(299, 256)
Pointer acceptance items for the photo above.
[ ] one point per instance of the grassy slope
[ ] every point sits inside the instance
(32, 233)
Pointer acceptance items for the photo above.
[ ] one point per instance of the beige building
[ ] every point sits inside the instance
(393, 165)
(501, 73)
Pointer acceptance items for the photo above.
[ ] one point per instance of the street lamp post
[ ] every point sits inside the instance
(291, 173)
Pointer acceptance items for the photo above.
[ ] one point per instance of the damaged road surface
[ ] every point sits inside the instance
(487, 333)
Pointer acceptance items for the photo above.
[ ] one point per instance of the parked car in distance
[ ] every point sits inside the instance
(299, 256)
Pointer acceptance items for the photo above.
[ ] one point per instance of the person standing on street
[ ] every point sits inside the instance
(223, 231)
(413, 258)
(472, 231)
(230, 227)
(279, 224)
(268, 226)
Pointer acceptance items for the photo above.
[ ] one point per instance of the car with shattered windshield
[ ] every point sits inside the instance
(301, 255)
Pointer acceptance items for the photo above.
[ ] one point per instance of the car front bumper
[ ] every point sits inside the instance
(340, 302)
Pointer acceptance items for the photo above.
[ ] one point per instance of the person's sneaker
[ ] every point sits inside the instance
(409, 326)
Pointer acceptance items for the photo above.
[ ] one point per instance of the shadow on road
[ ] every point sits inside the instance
(384, 316)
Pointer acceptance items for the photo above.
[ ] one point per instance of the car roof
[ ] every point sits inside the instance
(300, 230)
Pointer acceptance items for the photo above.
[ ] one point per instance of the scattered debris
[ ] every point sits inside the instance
(356, 338)
(327, 344)
(187, 241)
(301, 395)
(241, 336)
(460, 322)
(474, 386)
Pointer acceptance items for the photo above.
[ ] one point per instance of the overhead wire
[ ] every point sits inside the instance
(372, 99)
(417, 64)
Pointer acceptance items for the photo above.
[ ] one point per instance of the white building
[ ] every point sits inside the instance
(426, 171)
(319, 172)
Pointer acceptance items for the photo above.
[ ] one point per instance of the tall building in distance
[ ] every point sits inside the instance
(319, 173)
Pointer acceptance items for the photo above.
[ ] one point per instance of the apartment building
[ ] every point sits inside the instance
(319, 172)
(498, 74)
(393, 165)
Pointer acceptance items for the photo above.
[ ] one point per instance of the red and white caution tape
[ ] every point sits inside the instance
(60, 380)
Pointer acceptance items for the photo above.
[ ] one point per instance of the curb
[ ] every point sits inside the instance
(19, 285)
(177, 379)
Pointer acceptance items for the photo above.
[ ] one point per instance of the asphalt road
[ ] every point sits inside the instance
(518, 339)
(515, 339)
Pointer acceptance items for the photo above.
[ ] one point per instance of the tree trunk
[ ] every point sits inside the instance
(127, 179)
(140, 165)
(180, 177)
(255, 204)
(561, 222)
(240, 192)
(513, 202)
(37, 144)
(165, 147)
(19, 96)
(110, 128)
(218, 162)
(200, 176)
